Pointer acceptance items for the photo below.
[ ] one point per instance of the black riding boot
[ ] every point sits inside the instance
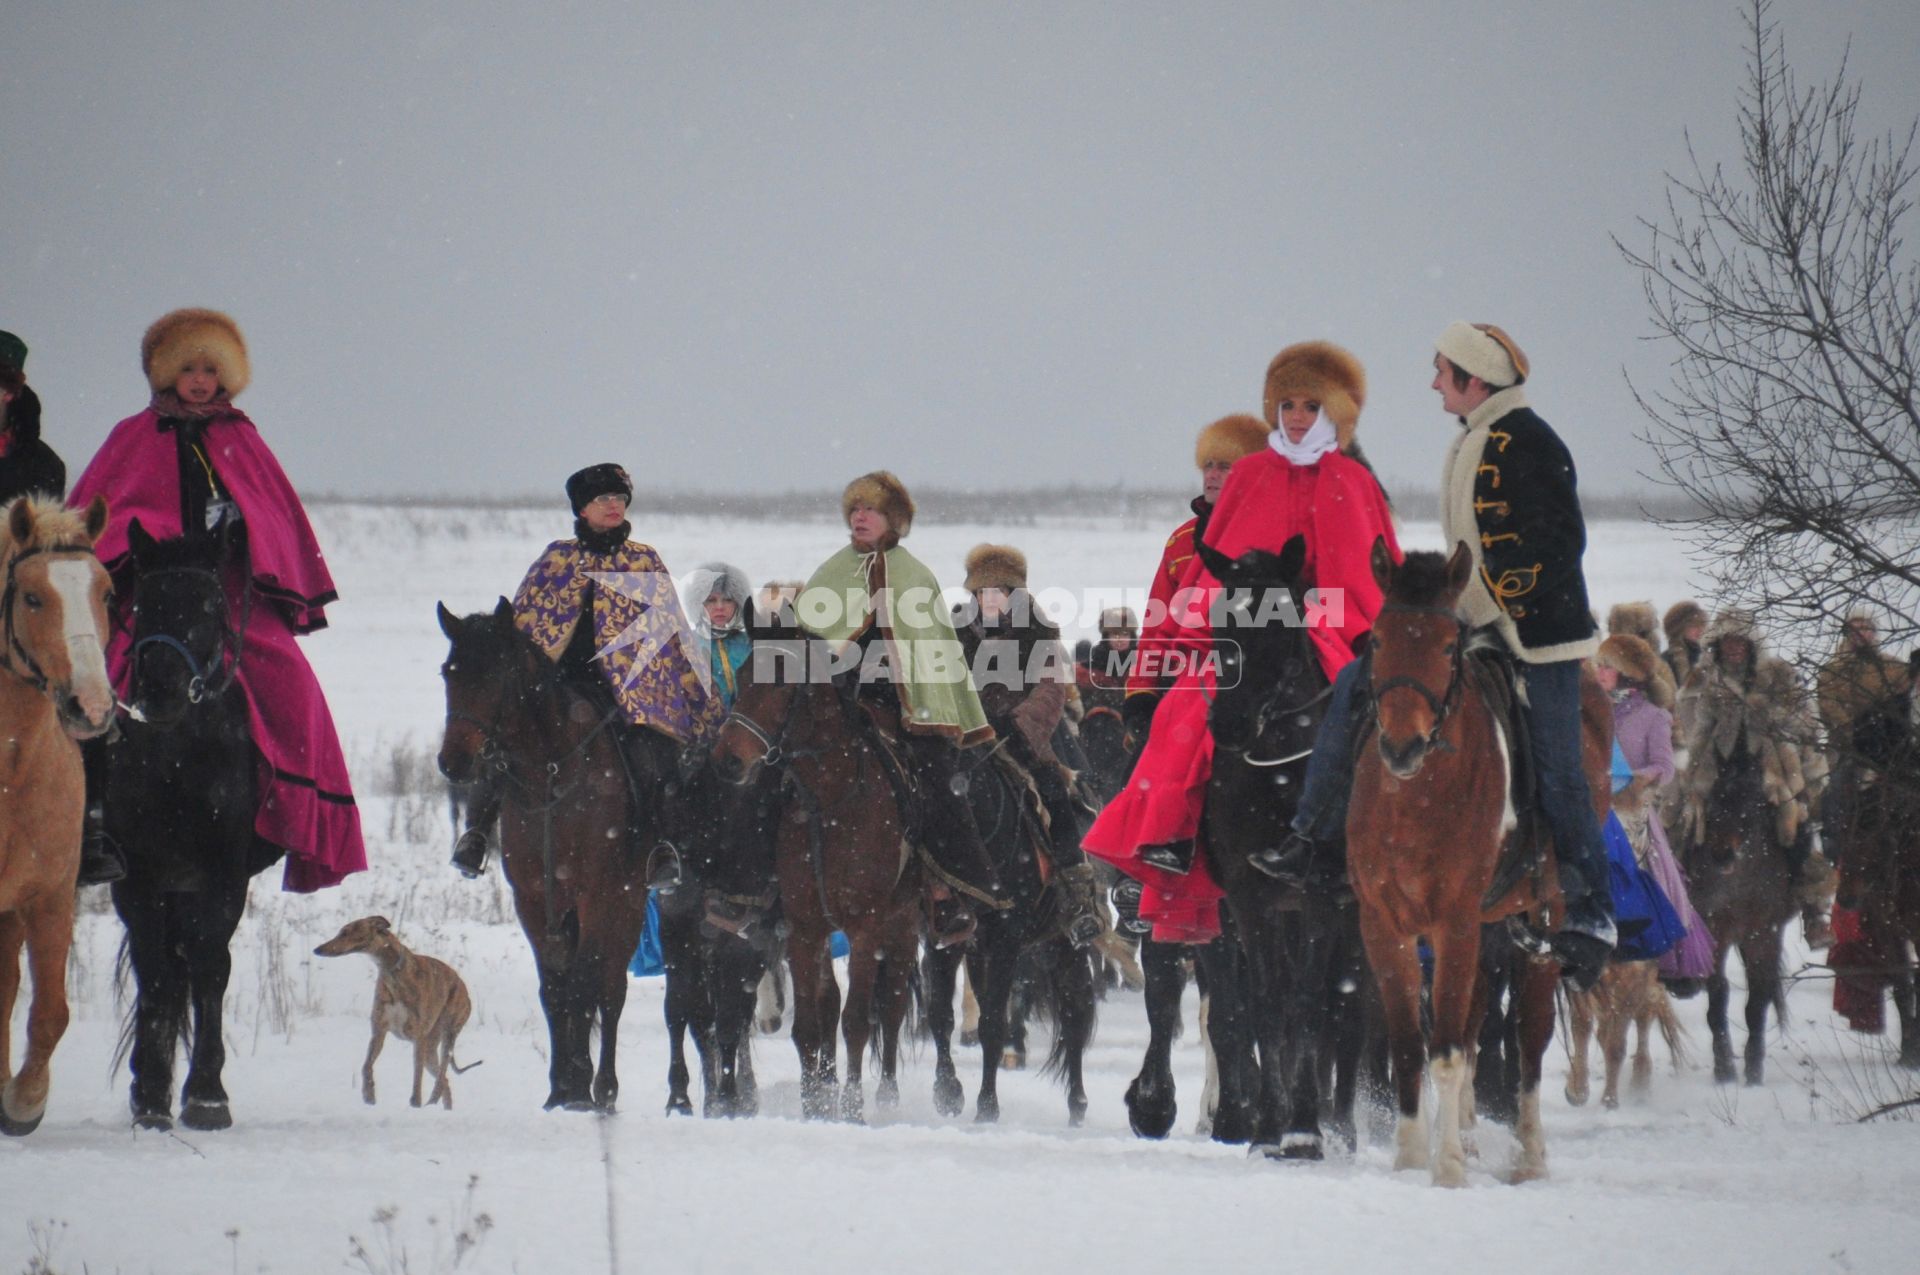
(483, 814)
(101, 862)
(952, 840)
(1080, 915)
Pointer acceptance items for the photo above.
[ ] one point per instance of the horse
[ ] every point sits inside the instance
(842, 860)
(1438, 745)
(181, 797)
(1880, 871)
(1293, 999)
(578, 883)
(53, 691)
(1152, 1097)
(1008, 814)
(1743, 890)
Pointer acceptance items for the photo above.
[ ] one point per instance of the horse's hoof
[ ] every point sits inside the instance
(19, 1128)
(1724, 1075)
(887, 1095)
(1147, 1117)
(1297, 1147)
(1610, 1102)
(207, 1117)
(153, 1119)
(986, 1113)
(949, 1098)
(582, 1105)
(1576, 1097)
(969, 1040)
(1076, 1112)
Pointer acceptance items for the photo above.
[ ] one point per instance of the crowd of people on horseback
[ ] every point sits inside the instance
(738, 778)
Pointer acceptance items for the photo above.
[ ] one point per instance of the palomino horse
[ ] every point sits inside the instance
(578, 885)
(1439, 747)
(843, 863)
(181, 797)
(53, 690)
(1295, 996)
(1880, 870)
(1741, 887)
(1063, 975)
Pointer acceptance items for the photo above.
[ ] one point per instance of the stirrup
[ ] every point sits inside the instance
(664, 870)
(1289, 863)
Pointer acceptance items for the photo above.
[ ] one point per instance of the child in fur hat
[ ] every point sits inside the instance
(1637, 681)
(193, 467)
(27, 465)
(1023, 676)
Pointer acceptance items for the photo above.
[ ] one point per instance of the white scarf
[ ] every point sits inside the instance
(1314, 444)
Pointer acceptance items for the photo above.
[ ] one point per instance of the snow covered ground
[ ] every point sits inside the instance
(1699, 1179)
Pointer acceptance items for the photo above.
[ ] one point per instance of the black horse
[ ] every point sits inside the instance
(1063, 976)
(1292, 996)
(181, 792)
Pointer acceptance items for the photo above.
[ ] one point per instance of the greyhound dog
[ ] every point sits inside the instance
(416, 998)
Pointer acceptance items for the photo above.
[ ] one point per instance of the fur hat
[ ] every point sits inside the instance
(13, 352)
(1323, 371)
(1680, 617)
(996, 567)
(587, 485)
(1119, 620)
(1636, 618)
(1635, 660)
(880, 490)
(1230, 438)
(1732, 622)
(1483, 350)
(177, 337)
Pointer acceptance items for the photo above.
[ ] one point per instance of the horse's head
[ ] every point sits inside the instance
(54, 609)
(1416, 652)
(185, 650)
(488, 675)
(1736, 818)
(772, 684)
(1264, 650)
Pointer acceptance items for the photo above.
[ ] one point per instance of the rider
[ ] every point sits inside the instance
(603, 607)
(1102, 669)
(717, 598)
(193, 465)
(876, 596)
(1022, 674)
(1307, 481)
(27, 464)
(1509, 495)
(1739, 696)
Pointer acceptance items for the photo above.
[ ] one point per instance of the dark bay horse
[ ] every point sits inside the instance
(181, 796)
(1880, 868)
(1063, 975)
(1738, 877)
(53, 691)
(1293, 999)
(1431, 811)
(842, 861)
(579, 885)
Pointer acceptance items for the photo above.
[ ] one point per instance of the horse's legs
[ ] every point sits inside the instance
(612, 1003)
(1075, 991)
(1614, 1022)
(1150, 1096)
(969, 1008)
(209, 920)
(734, 980)
(816, 1012)
(159, 1002)
(1646, 994)
(678, 1013)
(1346, 988)
(1230, 1030)
(1761, 956)
(1718, 994)
(13, 936)
(856, 1025)
(47, 926)
(1533, 986)
(555, 1003)
(1396, 967)
(1456, 971)
(1907, 1004)
(892, 992)
(940, 966)
(1579, 1029)
(999, 962)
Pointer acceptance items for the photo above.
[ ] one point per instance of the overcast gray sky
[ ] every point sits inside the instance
(761, 246)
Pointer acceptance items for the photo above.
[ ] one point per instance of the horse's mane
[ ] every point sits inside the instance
(498, 641)
(54, 527)
(1421, 580)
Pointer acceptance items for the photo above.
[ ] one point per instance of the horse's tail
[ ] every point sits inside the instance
(912, 1023)
(1073, 1025)
(180, 1029)
(1672, 1030)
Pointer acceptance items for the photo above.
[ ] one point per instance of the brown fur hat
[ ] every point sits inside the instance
(1733, 622)
(1230, 438)
(177, 337)
(880, 490)
(1680, 616)
(1636, 661)
(1319, 370)
(996, 567)
(1636, 618)
(1119, 620)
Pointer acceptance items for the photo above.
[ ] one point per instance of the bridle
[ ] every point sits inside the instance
(205, 682)
(34, 675)
(493, 756)
(773, 749)
(1269, 710)
(1441, 704)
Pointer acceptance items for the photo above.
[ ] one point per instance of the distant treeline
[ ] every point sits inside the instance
(1008, 506)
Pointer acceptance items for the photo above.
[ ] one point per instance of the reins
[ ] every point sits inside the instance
(1442, 705)
(203, 683)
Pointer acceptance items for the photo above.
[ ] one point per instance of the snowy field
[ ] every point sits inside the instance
(1699, 1179)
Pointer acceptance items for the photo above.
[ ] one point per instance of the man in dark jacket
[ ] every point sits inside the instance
(27, 465)
(1510, 495)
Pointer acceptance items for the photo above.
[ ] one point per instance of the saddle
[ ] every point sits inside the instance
(1496, 675)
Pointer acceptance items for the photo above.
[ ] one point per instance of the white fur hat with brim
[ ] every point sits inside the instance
(1485, 351)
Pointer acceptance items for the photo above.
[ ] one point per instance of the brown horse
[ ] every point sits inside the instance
(1742, 888)
(578, 887)
(842, 861)
(53, 691)
(1430, 814)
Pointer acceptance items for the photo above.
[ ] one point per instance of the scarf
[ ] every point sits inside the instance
(601, 542)
(1317, 442)
(169, 406)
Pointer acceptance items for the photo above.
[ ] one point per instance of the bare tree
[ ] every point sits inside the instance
(1791, 307)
